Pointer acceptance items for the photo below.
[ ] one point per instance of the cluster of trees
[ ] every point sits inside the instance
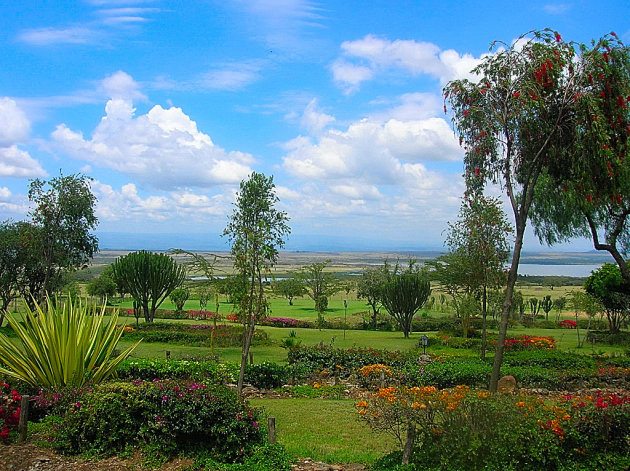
(38, 255)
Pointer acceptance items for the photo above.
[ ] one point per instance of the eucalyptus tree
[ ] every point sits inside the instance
(149, 277)
(512, 121)
(256, 229)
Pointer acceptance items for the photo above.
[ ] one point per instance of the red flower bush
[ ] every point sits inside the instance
(567, 324)
(9, 410)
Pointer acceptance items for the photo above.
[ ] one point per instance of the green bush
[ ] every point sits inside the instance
(150, 369)
(266, 375)
(198, 335)
(323, 357)
(448, 372)
(163, 418)
(261, 458)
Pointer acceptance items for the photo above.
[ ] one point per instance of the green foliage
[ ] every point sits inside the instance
(403, 296)
(150, 369)
(462, 429)
(103, 286)
(164, 418)
(62, 345)
(179, 298)
(606, 285)
(191, 334)
(318, 282)
(149, 278)
(319, 358)
(64, 216)
(12, 260)
(370, 287)
(265, 457)
(546, 304)
(267, 375)
(289, 288)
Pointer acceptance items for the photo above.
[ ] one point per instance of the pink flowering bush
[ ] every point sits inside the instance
(9, 411)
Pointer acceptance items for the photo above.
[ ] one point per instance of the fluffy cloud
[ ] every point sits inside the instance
(162, 148)
(313, 120)
(370, 150)
(127, 204)
(362, 59)
(14, 125)
(14, 129)
(121, 85)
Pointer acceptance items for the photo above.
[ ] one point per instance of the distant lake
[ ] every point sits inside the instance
(535, 269)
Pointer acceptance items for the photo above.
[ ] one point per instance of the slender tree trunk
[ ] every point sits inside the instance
(247, 342)
(507, 304)
(484, 314)
(408, 449)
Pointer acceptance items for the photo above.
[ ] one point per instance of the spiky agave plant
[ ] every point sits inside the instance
(64, 345)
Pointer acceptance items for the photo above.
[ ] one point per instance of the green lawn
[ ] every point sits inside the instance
(326, 430)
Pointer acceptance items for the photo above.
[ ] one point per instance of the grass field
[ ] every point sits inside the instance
(326, 430)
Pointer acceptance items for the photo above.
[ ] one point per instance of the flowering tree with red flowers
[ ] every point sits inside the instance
(587, 187)
(512, 123)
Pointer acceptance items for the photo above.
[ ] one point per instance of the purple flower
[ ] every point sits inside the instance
(255, 424)
(164, 398)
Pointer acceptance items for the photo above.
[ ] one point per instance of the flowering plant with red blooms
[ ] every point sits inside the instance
(567, 324)
(9, 411)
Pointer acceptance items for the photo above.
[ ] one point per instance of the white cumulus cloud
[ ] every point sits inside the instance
(14, 125)
(162, 148)
(362, 59)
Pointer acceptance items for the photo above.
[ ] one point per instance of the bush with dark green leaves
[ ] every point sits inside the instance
(162, 418)
(267, 375)
(152, 368)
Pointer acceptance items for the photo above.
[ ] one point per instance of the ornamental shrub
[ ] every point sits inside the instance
(266, 375)
(162, 417)
(150, 369)
(9, 411)
(461, 429)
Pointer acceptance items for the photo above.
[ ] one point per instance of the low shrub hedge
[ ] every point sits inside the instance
(163, 418)
(198, 335)
(150, 369)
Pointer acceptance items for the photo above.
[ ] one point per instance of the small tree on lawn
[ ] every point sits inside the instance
(149, 278)
(403, 295)
(319, 283)
(12, 260)
(256, 230)
(370, 287)
(289, 288)
(179, 297)
(102, 286)
(606, 284)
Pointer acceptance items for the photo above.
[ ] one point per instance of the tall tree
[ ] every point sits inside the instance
(149, 278)
(256, 229)
(479, 249)
(512, 123)
(64, 213)
(587, 187)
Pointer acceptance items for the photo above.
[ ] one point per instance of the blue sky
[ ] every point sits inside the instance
(167, 105)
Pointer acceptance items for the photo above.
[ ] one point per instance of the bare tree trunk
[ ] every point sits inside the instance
(408, 449)
(484, 314)
(507, 305)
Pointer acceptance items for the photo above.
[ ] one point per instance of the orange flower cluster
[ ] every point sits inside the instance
(376, 369)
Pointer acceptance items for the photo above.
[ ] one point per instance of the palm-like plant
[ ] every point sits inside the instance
(62, 346)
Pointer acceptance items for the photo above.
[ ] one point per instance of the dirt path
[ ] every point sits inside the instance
(28, 457)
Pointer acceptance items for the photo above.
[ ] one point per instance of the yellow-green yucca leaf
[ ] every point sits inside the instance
(63, 345)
